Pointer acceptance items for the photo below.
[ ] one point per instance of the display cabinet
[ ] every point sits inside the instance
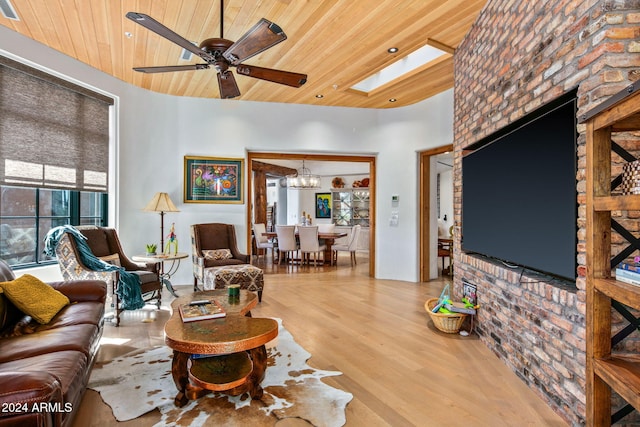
(609, 371)
(350, 206)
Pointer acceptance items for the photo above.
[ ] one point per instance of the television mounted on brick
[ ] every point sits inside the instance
(519, 197)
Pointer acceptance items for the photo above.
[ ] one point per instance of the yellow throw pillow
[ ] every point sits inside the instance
(34, 297)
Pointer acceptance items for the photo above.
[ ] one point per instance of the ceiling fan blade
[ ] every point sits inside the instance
(227, 84)
(151, 24)
(277, 76)
(170, 68)
(262, 36)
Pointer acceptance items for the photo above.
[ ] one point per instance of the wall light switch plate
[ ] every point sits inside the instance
(393, 220)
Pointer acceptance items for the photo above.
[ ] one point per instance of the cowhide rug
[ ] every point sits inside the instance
(139, 382)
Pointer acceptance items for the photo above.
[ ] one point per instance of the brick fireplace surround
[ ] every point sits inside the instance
(518, 56)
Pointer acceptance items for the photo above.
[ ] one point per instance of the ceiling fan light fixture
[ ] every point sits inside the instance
(221, 53)
(303, 179)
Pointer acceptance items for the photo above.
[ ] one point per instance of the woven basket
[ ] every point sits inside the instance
(445, 322)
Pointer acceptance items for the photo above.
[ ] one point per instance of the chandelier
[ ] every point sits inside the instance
(303, 179)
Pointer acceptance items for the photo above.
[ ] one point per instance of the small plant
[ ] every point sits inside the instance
(151, 248)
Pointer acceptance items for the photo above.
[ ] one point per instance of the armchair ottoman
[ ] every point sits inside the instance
(249, 278)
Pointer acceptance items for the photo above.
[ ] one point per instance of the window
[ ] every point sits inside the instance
(54, 159)
(27, 214)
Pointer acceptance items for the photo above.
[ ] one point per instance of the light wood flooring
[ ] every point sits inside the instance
(400, 369)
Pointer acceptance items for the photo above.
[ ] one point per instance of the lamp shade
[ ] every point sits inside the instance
(161, 202)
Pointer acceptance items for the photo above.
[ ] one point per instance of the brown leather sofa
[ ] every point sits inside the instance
(44, 369)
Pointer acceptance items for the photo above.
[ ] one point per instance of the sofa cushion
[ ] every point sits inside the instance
(29, 388)
(89, 313)
(34, 297)
(145, 276)
(217, 254)
(69, 367)
(82, 338)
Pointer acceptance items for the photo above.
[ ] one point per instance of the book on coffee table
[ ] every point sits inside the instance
(201, 310)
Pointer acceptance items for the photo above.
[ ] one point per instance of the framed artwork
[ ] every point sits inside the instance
(213, 180)
(323, 205)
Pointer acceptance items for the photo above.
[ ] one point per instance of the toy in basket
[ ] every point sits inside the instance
(441, 312)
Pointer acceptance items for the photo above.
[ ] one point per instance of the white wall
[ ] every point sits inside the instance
(156, 131)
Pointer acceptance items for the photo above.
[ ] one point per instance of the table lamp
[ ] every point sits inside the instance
(161, 203)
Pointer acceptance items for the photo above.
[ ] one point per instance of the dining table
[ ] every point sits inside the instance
(329, 238)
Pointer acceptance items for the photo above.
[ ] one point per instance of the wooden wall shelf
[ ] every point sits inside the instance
(607, 372)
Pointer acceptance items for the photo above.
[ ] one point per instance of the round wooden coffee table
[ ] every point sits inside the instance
(225, 354)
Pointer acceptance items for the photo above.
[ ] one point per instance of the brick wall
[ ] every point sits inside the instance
(518, 56)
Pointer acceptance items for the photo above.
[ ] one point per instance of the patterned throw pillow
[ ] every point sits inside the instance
(34, 297)
(26, 325)
(113, 259)
(217, 254)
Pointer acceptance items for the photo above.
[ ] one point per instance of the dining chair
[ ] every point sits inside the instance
(309, 243)
(326, 228)
(262, 241)
(444, 252)
(287, 243)
(350, 246)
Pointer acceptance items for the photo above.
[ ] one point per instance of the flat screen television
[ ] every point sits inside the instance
(519, 198)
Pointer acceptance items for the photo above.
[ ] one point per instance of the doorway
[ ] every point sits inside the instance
(429, 207)
(299, 157)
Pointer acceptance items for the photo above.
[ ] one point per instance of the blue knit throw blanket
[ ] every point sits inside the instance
(128, 289)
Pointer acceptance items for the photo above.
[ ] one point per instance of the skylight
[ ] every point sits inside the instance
(399, 68)
(8, 11)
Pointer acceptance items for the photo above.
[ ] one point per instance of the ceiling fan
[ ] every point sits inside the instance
(222, 54)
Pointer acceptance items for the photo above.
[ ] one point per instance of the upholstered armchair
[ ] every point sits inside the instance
(213, 245)
(105, 244)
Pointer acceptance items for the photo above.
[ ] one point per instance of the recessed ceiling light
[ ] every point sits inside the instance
(392, 50)
(319, 95)
(392, 100)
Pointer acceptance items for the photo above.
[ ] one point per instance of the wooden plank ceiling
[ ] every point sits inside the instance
(335, 42)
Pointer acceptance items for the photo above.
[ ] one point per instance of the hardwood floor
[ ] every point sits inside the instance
(400, 369)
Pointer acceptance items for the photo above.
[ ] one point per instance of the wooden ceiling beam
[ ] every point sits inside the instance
(271, 170)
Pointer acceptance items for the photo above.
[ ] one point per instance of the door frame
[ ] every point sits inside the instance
(370, 159)
(425, 208)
